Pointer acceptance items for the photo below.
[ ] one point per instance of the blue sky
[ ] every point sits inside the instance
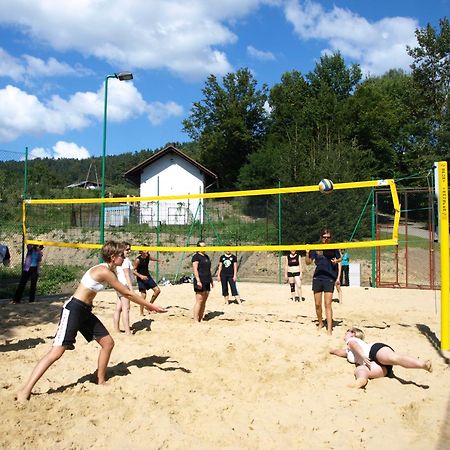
(55, 55)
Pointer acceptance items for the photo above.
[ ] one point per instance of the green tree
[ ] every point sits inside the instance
(381, 120)
(228, 124)
(309, 139)
(431, 72)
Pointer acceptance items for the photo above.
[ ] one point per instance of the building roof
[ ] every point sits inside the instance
(86, 185)
(134, 174)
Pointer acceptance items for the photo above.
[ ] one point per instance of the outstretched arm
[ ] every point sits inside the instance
(112, 280)
(339, 352)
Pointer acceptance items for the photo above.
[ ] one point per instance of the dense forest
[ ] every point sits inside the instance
(331, 122)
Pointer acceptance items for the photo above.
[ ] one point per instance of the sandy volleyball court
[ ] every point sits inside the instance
(255, 376)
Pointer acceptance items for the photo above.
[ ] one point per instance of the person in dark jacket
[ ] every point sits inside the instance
(30, 272)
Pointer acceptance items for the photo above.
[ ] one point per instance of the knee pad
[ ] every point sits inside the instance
(292, 287)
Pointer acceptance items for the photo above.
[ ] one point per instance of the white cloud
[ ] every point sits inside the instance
(259, 54)
(39, 152)
(181, 36)
(69, 150)
(376, 46)
(28, 67)
(60, 150)
(23, 113)
(158, 112)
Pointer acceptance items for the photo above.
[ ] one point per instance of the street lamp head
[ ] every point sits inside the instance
(124, 76)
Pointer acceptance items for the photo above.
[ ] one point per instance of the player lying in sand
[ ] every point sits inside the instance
(374, 360)
(76, 315)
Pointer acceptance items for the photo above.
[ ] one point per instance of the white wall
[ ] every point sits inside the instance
(176, 177)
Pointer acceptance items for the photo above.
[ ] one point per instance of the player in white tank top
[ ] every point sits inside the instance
(124, 274)
(76, 315)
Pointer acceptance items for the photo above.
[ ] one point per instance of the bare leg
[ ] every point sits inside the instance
(318, 303)
(386, 356)
(116, 317)
(291, 281)
(361, 377)
(144, 296)
(199, 307)
(203, 306)
(298, 283)
(156, 292)
(41, 367)
(226, 299)
(107, 344)
(339, 291)
(125, 314)
(328, 298)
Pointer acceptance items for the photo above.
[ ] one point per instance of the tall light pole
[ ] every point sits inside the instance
(122, 76)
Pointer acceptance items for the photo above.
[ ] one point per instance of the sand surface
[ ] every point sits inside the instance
(252, 376)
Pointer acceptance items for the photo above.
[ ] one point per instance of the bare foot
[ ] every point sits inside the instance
(22, 396)
(329, 332)
(428, 366)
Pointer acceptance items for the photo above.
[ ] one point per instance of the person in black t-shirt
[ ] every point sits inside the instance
(227, 275)
(143, 277)
(324, 277)
(293, 273)
(203, 282)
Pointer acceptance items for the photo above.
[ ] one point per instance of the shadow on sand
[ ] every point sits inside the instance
(122, 369)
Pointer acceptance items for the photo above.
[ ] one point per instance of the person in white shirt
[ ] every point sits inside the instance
(374, 360)
(123, 303)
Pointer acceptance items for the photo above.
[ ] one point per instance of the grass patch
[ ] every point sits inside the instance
(51, 280)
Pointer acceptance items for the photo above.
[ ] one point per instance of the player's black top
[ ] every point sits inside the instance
(293, 260)
(325, 269)
(142, 267)
(227, 265)
(204, 267)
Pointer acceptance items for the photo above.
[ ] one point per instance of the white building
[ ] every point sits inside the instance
(171, 172)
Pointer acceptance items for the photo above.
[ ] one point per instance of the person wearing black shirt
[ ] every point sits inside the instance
(227, 275)
(324, 278)
(293, 273)
(203, 282)
(143, 277)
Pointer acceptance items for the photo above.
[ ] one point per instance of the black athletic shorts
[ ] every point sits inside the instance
(145, 285)
(293, 274)
(373, 355)
(206, 287)
(322, 285)
(77, 316)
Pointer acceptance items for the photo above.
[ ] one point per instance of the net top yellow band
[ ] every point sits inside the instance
(247, 193)
(222, 248)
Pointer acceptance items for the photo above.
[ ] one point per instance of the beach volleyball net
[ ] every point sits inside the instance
(277, 219)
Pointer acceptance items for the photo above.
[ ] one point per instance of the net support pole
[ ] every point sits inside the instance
(374, 284)
(279, 233)
(24, 196)
(444, 244)
(158, 229)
